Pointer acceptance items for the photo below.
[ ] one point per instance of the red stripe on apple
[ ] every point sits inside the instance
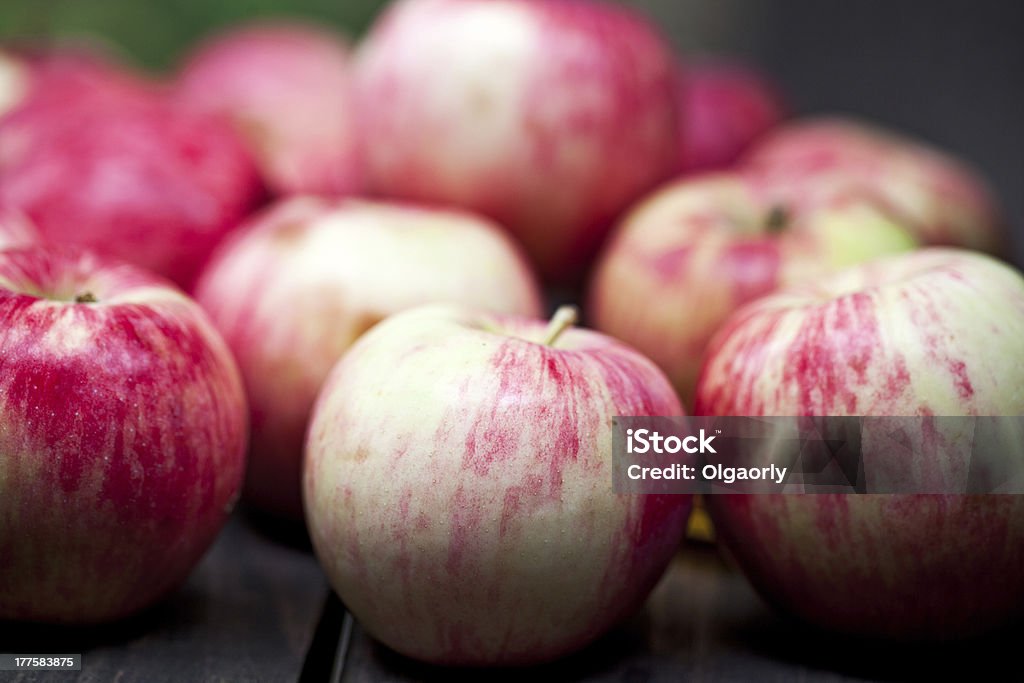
(122, 436)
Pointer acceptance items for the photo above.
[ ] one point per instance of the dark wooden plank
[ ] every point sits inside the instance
(248, 612)
(705, 623)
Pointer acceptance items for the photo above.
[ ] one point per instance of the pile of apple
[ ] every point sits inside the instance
(190, 269)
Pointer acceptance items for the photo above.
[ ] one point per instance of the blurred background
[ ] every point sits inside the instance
(949, 71)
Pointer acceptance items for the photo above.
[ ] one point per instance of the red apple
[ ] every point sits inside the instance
(723, 108)
(26, 73)
(16, 230)
(122, 436)
(52, 75)
(286, 86)
(698, 249)
(458, 486)
(293, 291)
(936, 332)
(550, 117)
(124, 170)
(944, 201)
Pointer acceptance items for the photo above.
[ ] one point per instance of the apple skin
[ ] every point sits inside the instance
(15, 80)
(723, 108)
(944, 200)
(151, 183)
(122, 436)
(16, 230)
(287, 87)
(701, 247)
(549, 117)
(458, 487)
(936, 332)
(293, 291)
(51, 75)
(28, 73)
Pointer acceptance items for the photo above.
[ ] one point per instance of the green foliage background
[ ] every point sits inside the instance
(154, 33)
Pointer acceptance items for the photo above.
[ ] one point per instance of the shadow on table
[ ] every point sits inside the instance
(991, 657)
(286, 532)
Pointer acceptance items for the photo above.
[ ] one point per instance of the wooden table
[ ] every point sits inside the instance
(258, 609)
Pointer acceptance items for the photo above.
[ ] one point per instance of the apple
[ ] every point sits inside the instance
(50, 75)
(122, 436)
(723, 108)
(549, 117)
(16, 230)
(935, 332)
(14, 80)
(286, 86)
(292, 292)
(458, 486)
(700, 248)
(944, 201)
(122, 169)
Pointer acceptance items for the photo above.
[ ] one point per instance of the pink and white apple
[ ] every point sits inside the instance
(286, 86)
(458, 486)
(293, 291)
(122, 436)
(698, 249)
(943, 199)
(16, 230)
(723, 108)
(14, 80)
(935, 332)
(550, 117)
(113, 164)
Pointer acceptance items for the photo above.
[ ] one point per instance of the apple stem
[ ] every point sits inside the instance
(777, 220)
(85, 298)
(564, 318)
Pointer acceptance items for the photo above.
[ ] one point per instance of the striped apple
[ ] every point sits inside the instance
(122, 436)
(458, 486)
(100, 158)
(941, 198)
(293, 291)
(931, 333)
(550, 117)
(700, 248)
(286, 87)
